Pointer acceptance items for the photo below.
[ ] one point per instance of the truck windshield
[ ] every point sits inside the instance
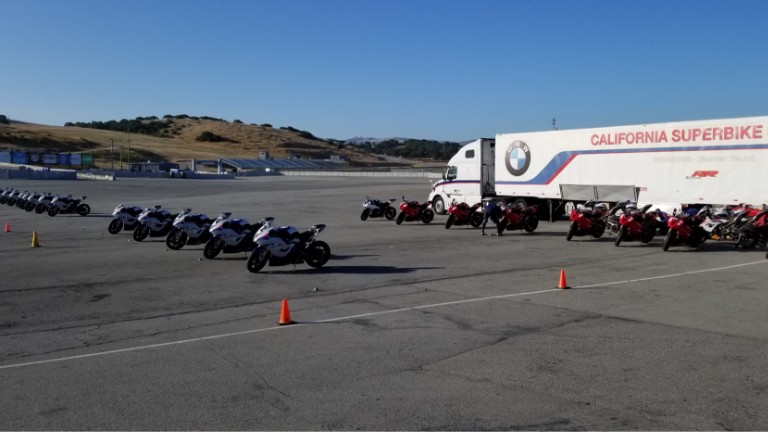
(450, 173)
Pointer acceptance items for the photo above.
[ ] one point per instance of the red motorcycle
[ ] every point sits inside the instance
(463, 214)
(686, 228)
(414, 210)
(754, 232)
(637, 225)
(588, 219)
(518, 216)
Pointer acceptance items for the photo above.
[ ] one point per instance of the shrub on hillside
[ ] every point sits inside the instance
(4, 119)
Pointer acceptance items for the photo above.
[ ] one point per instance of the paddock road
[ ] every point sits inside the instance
(410, 327)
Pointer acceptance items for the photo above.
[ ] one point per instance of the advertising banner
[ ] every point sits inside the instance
(75, 159)
(63, 158)
(5, 156)
(87, 158)
(50, 159)
(19, 157)
(35, 158)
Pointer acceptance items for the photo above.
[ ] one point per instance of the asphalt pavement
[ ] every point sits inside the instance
(407, 327)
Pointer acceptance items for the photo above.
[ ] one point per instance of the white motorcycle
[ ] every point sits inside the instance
(68, 205)
(191, 229)
(124, 218)
(285, 245)
(153, 222)
(233, 236)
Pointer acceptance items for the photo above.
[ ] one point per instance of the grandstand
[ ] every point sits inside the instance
(281, 164)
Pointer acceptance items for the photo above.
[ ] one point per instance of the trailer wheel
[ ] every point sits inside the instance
(438, 205)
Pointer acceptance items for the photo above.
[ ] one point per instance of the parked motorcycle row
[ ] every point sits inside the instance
(518, 216)
(267, 244)
(50, 203)
(744, 226)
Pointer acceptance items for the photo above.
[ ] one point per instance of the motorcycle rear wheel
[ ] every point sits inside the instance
(427, 215)
(390, 213)
(258, 259)
(83, 209)
(476, 219)
(317, 254)
(530, 223)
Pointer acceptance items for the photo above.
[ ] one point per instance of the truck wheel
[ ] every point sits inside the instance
(439, 205)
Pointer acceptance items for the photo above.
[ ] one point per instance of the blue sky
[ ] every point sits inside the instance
(433, 69)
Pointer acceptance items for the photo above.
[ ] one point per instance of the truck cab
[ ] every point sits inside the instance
(468, 177)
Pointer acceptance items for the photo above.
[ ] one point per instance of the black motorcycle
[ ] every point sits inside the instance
(376, 208)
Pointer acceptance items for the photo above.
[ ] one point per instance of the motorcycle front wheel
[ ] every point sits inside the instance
(213, 247)
(571, 231)
(620, 235)
(53, 211)
(141, 232)
(115, 226)
(669, 239)
(449, 222)
(365, 214)
(400, 218)
(258, 259)
(317, 254)
(176, 239)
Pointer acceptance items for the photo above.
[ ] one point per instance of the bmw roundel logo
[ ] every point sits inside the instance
(518, 158)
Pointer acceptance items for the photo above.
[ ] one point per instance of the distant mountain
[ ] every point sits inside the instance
(374, 141)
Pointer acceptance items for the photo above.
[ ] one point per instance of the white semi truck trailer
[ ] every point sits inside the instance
(694, 163)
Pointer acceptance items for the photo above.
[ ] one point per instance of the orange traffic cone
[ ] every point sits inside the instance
(7, 227)
(562, 284)
(35, 242)
(285, 314)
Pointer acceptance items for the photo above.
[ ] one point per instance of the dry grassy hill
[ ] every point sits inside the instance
(179, 142)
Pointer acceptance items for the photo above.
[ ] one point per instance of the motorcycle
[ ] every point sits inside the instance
(754, 232)
(153, 222)
(377, 208)
(285, 245)
(44, 202)
(31, 201)
(463, 214)
(588, 219)
(414, 210)
(191, 229)
(124, 218)
(686, 228)
(637, 225)
(11, 198)
(233, 236)
(68, 205)
(518, 217)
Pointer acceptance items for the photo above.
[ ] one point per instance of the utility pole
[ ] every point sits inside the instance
(554, 126)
